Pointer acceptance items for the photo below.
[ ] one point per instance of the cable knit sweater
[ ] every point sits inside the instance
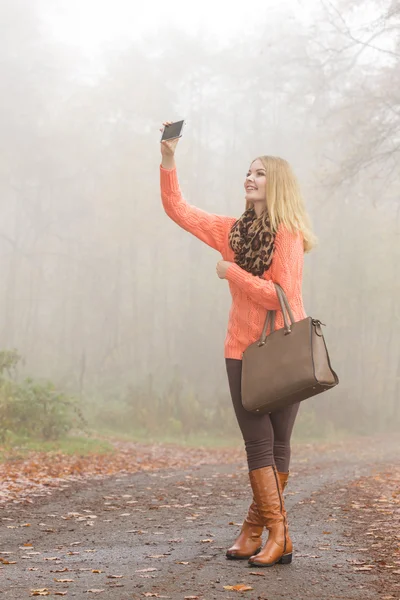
(251, 296)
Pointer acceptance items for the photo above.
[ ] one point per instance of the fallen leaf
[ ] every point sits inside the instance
(115, 576)
(145, 570)
(64, 580)
(357, 562)
(95, 591)
(64, 570)
(240, 587)
(40, 592)
(96, 571)
(7, 562)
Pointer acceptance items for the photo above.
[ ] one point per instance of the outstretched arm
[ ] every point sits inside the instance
(209, 228)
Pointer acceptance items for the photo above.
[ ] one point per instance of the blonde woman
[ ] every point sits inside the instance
(264, 246)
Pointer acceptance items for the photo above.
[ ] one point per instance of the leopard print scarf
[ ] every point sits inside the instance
(252, 241)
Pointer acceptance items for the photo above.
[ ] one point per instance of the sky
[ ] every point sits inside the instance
(93, 24)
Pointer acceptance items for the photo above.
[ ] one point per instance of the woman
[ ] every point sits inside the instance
(264, 246)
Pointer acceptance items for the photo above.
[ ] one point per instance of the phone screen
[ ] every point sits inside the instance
(173, 131)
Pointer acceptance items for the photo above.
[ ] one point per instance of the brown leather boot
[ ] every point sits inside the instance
(249, 542)
(283, 478)
(268, 496)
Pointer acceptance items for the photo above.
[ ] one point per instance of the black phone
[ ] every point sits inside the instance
(173, 131)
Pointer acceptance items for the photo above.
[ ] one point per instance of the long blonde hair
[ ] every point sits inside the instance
(284, 202)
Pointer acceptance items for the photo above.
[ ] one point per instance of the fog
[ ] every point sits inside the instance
(101, 292)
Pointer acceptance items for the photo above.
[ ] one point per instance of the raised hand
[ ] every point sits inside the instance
(168, 148)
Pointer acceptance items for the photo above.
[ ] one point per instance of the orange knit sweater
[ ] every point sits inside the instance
(251, 296)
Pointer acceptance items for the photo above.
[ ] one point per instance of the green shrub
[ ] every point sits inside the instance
(33, 409)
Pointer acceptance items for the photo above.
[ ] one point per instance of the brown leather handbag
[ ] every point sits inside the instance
(286, 366)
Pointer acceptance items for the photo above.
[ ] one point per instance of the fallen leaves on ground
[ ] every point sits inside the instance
(23, 479)
(374, 506)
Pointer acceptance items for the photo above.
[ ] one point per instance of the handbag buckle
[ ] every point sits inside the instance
(317, 324)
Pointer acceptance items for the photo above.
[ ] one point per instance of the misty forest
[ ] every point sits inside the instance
(111, 317)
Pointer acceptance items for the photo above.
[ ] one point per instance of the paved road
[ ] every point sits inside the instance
(165, 533)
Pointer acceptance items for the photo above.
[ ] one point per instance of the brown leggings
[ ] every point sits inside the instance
(266, 437)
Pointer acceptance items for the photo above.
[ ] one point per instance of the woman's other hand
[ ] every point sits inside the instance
(222, 267)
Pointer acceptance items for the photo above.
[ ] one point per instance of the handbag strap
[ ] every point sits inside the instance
(271, 315)
(280, 291)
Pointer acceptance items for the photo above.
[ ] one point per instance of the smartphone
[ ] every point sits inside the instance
(173, 131)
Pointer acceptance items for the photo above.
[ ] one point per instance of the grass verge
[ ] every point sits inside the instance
(17, 447)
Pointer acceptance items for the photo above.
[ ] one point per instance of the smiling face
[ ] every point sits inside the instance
(256, 185)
